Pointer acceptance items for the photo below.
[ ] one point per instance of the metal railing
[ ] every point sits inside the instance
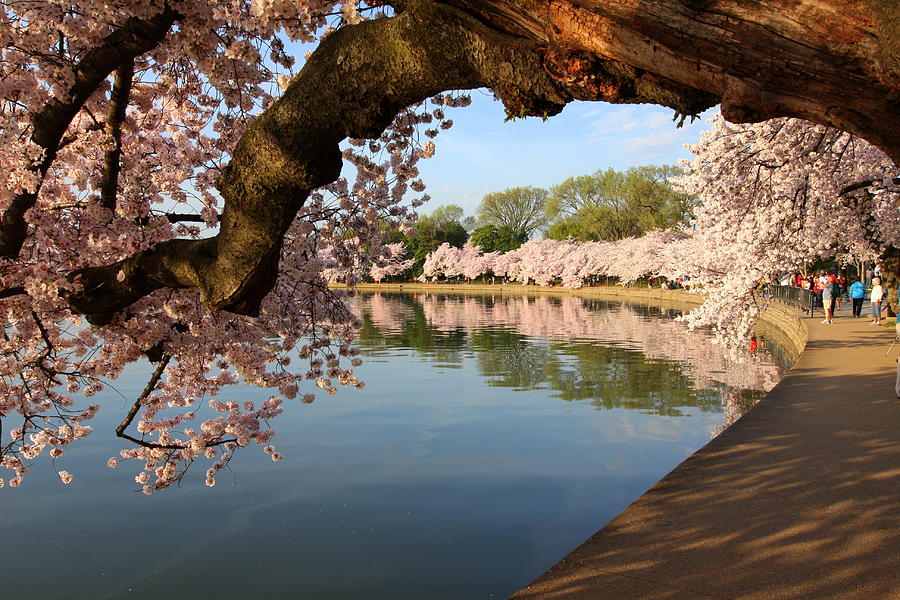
(801, 298)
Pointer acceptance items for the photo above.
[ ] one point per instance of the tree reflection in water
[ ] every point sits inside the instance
(611, 354)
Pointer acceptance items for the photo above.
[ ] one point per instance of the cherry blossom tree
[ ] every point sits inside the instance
(445, 261)
(776, 195)
(479, 264)
(138, 223)
(391, 262)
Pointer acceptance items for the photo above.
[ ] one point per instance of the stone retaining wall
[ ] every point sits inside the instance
(783, 324)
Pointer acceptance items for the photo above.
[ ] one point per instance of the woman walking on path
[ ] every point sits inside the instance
(877, 294)
(828, 300)
(858, 295)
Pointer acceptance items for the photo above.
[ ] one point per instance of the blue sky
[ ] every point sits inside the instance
(482, 154)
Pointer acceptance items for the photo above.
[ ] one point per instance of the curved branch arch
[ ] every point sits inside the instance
(828, 63)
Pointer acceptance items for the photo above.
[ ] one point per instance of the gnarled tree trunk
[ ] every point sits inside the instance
(834, 62)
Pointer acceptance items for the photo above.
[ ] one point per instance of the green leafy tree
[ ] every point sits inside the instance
(521, 209)
(447, 214)
(568, 228)
(649, 192)
(491, 238)
(573, 194)
(442, 225)
(612, 205)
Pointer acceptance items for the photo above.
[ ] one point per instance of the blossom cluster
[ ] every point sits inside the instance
(190, 100)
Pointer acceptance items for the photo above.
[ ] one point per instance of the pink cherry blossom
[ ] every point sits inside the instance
(192, 97)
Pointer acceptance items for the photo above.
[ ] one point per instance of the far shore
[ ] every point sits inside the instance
(779, 323)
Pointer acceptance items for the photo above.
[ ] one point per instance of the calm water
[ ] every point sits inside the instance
(494, 435)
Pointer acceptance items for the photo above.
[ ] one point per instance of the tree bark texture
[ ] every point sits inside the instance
(830, 61)
(835, 62)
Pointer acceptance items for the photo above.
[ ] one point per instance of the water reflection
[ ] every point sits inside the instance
(493, 435)
(611, 354)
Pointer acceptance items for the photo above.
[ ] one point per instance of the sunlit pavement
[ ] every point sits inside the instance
(800, 499)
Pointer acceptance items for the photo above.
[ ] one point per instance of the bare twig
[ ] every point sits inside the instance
(132, 412)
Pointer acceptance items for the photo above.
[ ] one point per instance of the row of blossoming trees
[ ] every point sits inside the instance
(773, 196)
(548, 262)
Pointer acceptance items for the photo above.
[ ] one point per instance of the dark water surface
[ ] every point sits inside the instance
(493, 435)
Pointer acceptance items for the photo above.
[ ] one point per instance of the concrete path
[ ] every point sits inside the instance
(800, 499)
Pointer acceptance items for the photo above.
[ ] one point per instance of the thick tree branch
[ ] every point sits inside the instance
(134, 38)
(118, 105)
(833, 62)
(354, 84)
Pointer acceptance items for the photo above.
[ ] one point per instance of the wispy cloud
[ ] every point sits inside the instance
(643, 133)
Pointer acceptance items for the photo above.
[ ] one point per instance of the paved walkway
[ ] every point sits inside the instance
(800, 499)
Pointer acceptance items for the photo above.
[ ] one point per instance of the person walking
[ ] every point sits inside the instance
(858, 296)
(828, 300)
(817, 285)
(876, 297)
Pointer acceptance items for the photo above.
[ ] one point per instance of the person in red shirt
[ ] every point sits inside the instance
(836, 289)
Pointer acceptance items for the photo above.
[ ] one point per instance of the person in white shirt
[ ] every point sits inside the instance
(876, 297)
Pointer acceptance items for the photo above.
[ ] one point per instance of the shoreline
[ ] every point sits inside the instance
(779, 323)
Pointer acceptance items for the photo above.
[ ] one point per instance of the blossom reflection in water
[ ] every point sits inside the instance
(613, 354)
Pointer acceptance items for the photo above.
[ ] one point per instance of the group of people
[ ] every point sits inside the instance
(829, 289)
